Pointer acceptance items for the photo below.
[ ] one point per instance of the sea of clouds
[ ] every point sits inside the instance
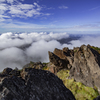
(16, 50)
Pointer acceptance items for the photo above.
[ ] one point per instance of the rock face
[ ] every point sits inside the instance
(32, 84)
(86, 66)
(60, 63)
(61, 59)
(83, 63)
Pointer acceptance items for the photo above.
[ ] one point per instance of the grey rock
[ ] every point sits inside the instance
(86, 67)
(83, 63)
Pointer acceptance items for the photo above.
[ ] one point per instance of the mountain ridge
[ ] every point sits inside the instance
(78, 68)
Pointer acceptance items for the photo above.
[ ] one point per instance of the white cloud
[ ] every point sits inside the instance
(32, 12)
(25, 6)
(39, 50)
(2, 0)
(63, 7)
(23, 10)
(18, 9)
(11, 54)
(3, 7)
(40, 44)
(6, 39)
(12, 57)
(10, 1)
(50, 8)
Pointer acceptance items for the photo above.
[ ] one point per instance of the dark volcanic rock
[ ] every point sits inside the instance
(33, 84)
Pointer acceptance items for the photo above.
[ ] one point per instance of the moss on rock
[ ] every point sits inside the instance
(80, 91)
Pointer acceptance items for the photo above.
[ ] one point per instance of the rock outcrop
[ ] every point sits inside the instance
(32, 84)
(61, 59)
(36, 65)
(86, 66)
(83, 63)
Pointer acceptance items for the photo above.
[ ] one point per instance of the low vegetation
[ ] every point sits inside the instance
(79, 90)
(45, 68)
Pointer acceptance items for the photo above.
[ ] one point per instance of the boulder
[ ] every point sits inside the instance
(33, 84)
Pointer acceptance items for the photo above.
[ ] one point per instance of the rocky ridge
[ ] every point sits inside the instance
(83, 63)
(79, 65)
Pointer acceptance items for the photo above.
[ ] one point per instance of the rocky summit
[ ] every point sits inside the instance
(83, 63)
(78, 69)
(32, 84)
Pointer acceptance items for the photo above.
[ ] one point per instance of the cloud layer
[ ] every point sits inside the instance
(18, 49)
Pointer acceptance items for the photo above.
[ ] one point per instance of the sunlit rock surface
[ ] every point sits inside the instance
(83, 63)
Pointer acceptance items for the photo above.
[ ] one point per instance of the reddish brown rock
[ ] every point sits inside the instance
(57, 61)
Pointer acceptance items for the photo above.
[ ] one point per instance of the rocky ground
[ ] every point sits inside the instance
(32, 84)
(83, 64)
(79, 69)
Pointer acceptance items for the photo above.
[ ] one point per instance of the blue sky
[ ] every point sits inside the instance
(50, 15)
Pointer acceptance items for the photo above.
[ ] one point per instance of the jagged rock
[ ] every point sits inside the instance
(58, 62)
(86, 66)
(33, 84)
(36, 65)
(83, 62)
(7, 71)
(52, 68)
(61, 59)
(68, 52)
(59, 53)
